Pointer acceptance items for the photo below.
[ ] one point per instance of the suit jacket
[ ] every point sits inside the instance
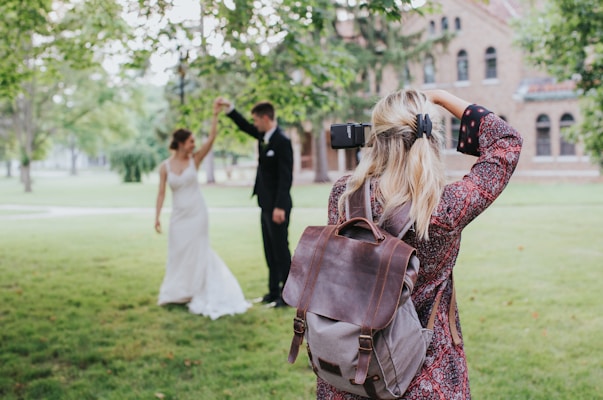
(275, 166)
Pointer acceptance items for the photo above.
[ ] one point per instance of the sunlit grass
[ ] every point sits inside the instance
(78, 318)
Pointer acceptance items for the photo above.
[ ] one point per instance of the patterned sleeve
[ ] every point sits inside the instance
(336, 192)
(498, 146)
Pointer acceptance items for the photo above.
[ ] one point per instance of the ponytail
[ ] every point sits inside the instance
(404, 157)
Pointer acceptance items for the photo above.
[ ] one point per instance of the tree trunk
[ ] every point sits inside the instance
(209, 165)
(73, 171)
(73, 151)
(26, 177)
(9, 171)
(321, 167)
(24, 125)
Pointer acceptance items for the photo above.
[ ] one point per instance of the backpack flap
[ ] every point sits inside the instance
(360, 281)
(353, 272)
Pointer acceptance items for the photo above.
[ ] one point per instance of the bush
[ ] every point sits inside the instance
(133, 161)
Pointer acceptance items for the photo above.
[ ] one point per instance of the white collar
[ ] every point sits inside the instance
(268, 134)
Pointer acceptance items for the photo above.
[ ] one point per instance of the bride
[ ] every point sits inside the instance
(194, 273)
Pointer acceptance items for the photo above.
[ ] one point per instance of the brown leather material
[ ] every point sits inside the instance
(359, 204)
(299, 329)
(456, 338)
(365, 274)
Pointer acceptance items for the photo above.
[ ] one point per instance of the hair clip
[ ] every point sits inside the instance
(424, 126)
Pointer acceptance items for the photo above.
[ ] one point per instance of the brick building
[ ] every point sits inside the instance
(481, 64)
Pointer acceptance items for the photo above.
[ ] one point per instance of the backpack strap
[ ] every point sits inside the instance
(456, 338)
(358, 204)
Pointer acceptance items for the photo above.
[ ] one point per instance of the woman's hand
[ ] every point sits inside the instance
(220, 104)
(455, 105)
(434, 95)
(157, 226)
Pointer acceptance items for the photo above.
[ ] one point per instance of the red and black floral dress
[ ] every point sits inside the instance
(444, 374)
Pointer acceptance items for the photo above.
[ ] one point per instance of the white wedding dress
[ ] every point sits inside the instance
(194, 273)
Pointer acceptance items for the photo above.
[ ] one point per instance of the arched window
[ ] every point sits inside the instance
(462, 66)
(491, 63)
(566, 148)
(457, 24)
(432, 28)
(444, 24)
(428, 69)
(543, 135)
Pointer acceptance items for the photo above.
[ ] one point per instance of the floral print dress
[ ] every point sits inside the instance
(444, 374)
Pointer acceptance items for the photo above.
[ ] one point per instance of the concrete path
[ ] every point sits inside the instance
(17, 212)
(38, 212)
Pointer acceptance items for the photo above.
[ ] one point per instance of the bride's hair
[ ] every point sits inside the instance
(179, 136)
(408, 168)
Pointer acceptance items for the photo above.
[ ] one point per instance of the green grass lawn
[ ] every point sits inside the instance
(78, 318)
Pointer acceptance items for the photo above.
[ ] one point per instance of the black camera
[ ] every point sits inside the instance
(350, 135)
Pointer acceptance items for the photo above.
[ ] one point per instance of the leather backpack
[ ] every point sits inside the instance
(351, 284)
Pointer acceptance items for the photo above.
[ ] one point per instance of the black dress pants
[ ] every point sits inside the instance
(276, 250)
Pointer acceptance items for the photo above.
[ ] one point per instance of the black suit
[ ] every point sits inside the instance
(272, 187)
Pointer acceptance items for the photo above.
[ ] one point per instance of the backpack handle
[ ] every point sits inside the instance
(379, 237)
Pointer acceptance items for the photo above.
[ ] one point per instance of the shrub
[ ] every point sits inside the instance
(133, 161)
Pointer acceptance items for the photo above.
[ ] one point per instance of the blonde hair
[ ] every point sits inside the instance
(408, 168)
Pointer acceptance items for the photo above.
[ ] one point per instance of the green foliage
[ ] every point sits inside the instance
(41, 42)
(286, 56)
(60, 38)
(90, 112)
(566, 39)
(133, 161)
(291, 53)
(20, 20)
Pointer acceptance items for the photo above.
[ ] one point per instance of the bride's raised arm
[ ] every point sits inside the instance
(200, 154)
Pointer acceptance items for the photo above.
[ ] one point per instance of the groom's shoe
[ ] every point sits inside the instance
(269, 298)
(280, 303)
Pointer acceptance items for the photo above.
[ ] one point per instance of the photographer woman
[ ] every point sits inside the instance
(403, 163)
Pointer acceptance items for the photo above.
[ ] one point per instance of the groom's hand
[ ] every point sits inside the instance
(278, 216)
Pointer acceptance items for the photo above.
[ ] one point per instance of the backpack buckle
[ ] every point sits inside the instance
(299, 325)
(365, 343)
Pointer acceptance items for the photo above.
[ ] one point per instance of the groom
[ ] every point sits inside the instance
(272, 186)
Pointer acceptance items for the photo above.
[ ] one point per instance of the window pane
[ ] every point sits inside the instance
(543, 135)
(566, 148)
(543, 143)
(491, 63)
(462, 65)
(457, 23)
(429, 70)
